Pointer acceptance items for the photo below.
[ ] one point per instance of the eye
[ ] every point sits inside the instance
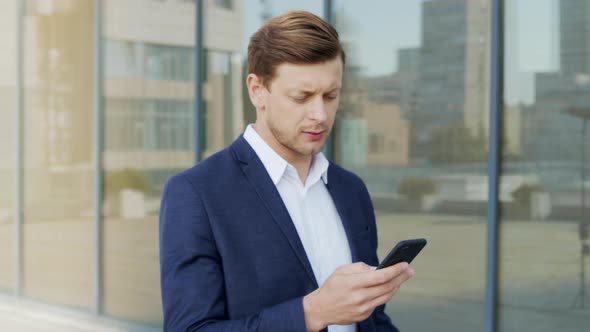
(331, 96)
(299, 100)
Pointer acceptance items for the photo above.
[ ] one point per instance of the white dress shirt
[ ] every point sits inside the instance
(312, 210)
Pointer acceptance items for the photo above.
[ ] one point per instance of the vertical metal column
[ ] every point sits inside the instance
(97, 156)
(19, 150)
(199, 50)
(328, 10)
(329, 147)
(494, 160)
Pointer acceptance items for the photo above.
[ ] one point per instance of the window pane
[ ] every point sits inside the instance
(8, 25)
(222, 110)
(413, 123)
(58, 225)
(149, 135)
(545, 187)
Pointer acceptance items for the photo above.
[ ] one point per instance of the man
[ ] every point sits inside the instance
(262, 236)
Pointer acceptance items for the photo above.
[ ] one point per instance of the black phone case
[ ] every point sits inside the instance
(404, 251)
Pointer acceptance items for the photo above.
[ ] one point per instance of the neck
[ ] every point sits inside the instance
(302, 163)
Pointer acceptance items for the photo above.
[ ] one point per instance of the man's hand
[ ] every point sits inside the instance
(351, 294)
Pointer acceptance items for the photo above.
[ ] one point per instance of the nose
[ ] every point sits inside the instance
(318, 110)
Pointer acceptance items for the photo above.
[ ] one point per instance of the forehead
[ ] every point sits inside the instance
(320, 76)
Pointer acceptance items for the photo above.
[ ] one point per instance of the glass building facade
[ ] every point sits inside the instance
(102, 100)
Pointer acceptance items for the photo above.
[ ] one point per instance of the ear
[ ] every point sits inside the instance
(255, 91)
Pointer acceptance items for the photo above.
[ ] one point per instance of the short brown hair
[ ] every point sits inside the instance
(297, 37)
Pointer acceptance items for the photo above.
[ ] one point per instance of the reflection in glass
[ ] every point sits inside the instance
(545, 201)
(58, 229)
(8, 24)
(149, 135)
(222, 109)
(223, 116)
(413, 124)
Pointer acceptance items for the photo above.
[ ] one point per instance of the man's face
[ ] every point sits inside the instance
(299, 107)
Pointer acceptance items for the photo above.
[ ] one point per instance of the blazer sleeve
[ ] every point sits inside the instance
(192, 282)
(380, 318)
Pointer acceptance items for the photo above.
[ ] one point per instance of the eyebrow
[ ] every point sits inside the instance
(307, 92)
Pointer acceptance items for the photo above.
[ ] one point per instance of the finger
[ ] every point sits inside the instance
(374, 292)
(380, 294)
(398, 281)
(383, 298)
(382, 276)
(353, 268)
(401, 272)
(403, 277)
(379, 290)
(396, 268)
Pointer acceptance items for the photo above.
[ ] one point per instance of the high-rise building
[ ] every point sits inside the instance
(454, 71)
(574, 36)
(557, 134)
(373, 130)
(388, 135)
(477, 68)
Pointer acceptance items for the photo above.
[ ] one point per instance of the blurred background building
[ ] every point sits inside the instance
(102, 100)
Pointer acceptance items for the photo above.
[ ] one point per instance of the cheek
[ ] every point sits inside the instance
(287, 117)
(289, 123)
(332, 114)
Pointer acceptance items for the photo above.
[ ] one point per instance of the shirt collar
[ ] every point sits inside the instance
(275, 164)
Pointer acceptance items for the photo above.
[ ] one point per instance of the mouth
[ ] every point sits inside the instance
(314, 135)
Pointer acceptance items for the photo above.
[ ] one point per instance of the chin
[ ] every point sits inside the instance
(304, 151)
(308, 148)
(315, 149)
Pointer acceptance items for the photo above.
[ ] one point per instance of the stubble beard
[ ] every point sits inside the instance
(292, 144)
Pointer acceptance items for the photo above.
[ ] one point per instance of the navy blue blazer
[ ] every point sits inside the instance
(230, 256)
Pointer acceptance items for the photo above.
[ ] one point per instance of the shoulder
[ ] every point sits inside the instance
(350, 182)
(208, 171)
(340, 174)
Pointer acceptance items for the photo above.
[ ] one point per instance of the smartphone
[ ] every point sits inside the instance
(404, 251)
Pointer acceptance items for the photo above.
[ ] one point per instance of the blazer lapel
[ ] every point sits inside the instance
(271, 199)
(347, 207)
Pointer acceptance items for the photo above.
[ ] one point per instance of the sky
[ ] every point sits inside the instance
(378, 31)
